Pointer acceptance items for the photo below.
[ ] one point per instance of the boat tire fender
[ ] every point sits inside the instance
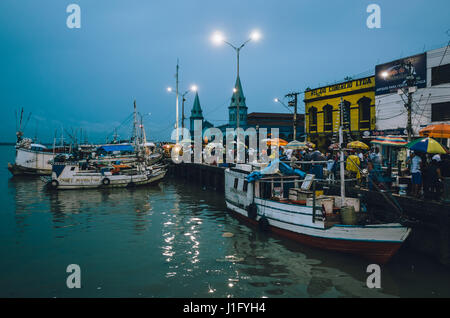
(252, 211)
(54, 184)
(106, 181)
(263, 224)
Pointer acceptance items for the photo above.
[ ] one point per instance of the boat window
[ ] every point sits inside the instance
(265, 190)
(245, 186)
(72, 169)
(236, 183)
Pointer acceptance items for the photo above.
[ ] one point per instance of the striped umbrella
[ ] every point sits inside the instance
(357, 145)
(295, 145)
(436, 131)
(427, 145)
(389, 141)
(306, 144)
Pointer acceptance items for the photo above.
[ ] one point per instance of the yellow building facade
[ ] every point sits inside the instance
(322, 108)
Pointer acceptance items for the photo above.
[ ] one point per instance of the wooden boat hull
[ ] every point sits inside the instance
(17, 170)
(376, 251)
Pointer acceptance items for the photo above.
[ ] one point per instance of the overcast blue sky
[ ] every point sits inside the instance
(125, 50)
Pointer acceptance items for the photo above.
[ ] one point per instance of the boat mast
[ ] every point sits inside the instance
(341, 159)
(135, 128)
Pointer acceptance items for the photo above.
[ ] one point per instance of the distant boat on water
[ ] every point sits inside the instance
(32, 158)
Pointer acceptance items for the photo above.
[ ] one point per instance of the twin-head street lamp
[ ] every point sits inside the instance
(193, 88)
(218, 38)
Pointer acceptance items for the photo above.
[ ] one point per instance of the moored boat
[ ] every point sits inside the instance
(307, 221)
(33, 159)
(67, 176)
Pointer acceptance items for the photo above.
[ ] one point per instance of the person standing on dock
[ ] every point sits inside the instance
(431, 179)
(374, 167)
(416, 173)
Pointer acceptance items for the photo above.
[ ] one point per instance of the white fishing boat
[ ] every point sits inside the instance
(262, 203)
(74, 176)
(273, 199)
(33, 158)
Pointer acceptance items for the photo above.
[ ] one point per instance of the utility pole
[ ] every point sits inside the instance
(294, 102)
(176, 125)
(182, 111)
(411, 86)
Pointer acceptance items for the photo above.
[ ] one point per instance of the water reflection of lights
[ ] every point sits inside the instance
(178, 243)
(211, 290)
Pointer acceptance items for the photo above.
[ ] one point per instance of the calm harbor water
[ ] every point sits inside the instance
(167, 241)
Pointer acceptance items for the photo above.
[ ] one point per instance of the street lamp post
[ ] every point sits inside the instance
(218, 39)
(193, 88)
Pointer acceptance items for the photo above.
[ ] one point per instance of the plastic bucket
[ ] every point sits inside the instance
(348, 215)
(402, 189)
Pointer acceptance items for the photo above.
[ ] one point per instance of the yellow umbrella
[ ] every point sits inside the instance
(357, 145)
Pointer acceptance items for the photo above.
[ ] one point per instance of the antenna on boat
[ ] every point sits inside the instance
(135, 128)
(341, 141)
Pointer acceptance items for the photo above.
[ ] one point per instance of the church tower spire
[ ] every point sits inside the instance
(196, 113)
(238, 97)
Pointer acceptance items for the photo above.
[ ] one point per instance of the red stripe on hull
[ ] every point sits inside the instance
(378, 252)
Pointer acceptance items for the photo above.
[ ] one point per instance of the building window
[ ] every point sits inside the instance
(346, 122)
(245, 186)
(364, 112)
(236, 180)
(440, 111)
(440, 74)
(312, 119)
(328, 118)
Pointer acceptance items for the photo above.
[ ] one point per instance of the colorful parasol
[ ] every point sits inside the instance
(305, 144)
(276, 142)
(295, 145)
(334, 146)
(427, 145)
(390, 141)
(357, 145)
(436, 131)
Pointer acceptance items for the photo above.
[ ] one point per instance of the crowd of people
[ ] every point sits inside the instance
(427, 173)
(362, 167)
(365, 168)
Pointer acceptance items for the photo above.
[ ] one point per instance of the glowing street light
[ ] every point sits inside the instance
(193, 88)
(255, 35)
(218, 38)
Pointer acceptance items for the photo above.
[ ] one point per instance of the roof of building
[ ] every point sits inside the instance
(196, 111)
(256, 115)
(238, 95)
